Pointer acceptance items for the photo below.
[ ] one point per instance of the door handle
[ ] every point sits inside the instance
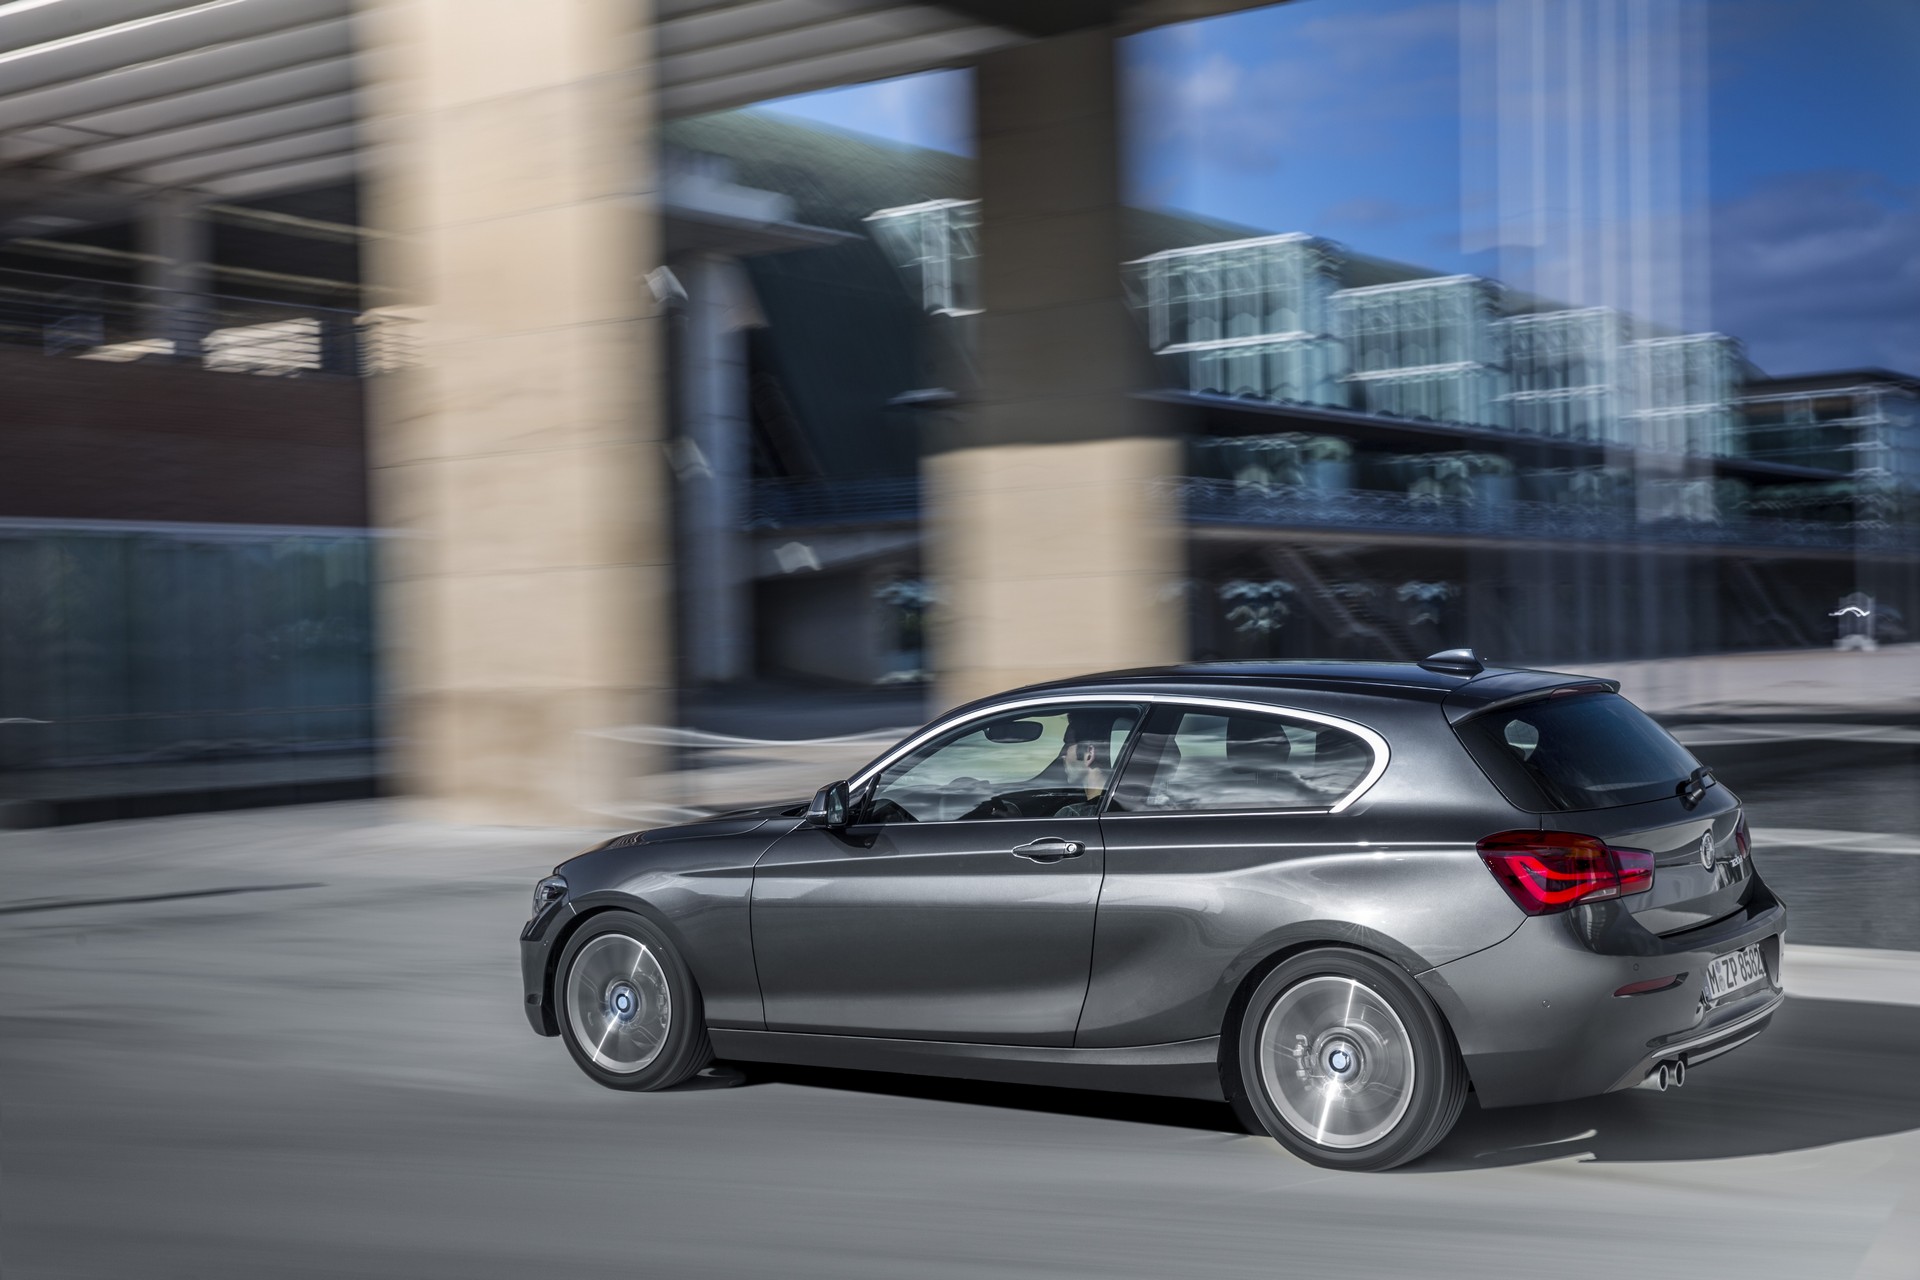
(1049, 849)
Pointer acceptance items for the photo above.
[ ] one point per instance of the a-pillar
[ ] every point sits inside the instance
(1053, 546)
(518, 466)
(176, 246)
(712, 461)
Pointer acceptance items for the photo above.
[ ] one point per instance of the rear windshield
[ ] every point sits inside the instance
(1581, 751)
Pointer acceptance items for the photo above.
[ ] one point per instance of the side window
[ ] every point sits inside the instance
(1046, 762)
(1522, 737)
(1190, 760)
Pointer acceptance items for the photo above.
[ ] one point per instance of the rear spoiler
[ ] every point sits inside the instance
(1506, 688)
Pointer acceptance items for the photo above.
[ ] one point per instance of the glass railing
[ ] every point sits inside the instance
(783, 504)
(1223, 502)
(118, 322)
(780, 504)
(128, 642)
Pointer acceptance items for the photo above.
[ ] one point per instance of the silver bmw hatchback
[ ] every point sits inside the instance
(1339, 896)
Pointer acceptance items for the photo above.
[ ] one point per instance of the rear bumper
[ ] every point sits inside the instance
(1537, 1020)
(1696, 1047)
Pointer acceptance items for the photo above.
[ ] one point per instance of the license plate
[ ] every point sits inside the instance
(1737, 969)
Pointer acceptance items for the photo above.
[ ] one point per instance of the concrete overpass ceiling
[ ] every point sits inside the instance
(718, 54)
(61, 41)
(1051, 18)
(1057, 17)
(232, 76)
(102, 101)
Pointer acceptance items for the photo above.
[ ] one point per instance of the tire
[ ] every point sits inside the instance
(1344, 1061)
(628, 1007)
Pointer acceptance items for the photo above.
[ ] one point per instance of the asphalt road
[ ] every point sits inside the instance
(288, 1043)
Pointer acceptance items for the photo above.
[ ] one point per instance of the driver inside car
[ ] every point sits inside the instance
(1081, 770)
(1045, 764)
(1083, 759)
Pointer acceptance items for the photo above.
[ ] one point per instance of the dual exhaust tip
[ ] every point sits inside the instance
(1670, 1074)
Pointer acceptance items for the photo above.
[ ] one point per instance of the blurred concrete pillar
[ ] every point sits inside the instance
(1052, 550)
(713, 464)
(178, 243)
(527, 590)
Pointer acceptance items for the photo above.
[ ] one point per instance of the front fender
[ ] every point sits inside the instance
(698, 891)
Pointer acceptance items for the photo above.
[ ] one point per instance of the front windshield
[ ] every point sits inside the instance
(1044, 763)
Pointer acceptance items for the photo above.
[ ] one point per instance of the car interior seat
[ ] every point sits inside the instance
(1339, 761)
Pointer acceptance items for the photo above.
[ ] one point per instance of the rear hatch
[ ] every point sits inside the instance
(1584, 759)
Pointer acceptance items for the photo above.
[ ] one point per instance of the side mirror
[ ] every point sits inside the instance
(829, 807)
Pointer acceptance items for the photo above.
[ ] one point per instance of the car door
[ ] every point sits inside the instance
(1218, 812)
(959, 905)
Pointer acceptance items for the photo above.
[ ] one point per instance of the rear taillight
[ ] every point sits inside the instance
(1548, 871)
(1742, 838)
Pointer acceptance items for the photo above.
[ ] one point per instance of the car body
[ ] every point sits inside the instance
(1438, 837)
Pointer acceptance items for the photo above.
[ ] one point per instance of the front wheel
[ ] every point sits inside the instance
(630, 1013)
(1343, 1059)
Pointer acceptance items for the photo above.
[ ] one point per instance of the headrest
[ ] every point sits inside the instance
(1256, 743)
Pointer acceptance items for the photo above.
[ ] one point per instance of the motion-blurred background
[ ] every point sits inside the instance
(531, 417)
(462, 399)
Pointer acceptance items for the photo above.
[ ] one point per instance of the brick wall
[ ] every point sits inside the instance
(86, 439)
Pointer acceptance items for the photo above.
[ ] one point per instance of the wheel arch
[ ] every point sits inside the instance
(1356, 938)
(592, 908)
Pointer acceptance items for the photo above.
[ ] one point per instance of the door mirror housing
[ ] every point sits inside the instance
(829, 807)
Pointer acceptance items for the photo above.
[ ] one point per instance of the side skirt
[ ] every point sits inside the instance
(1186, 1069)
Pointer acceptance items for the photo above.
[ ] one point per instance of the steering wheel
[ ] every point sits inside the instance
(994, 807)
(888, 810)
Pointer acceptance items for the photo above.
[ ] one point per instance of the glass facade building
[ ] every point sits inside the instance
(936, 243)
(1425, 349)
(1253, 318)
(1394, 459)
(1261, 318)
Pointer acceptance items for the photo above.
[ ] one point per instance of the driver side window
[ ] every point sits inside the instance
(1038, 763)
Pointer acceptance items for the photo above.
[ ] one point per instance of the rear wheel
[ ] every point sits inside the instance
(630, 1013)
(1343, 1059)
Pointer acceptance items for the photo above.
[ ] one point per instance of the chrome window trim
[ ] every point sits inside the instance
(1375, 743)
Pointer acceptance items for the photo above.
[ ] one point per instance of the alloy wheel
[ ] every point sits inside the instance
(618, 1003)
(1336, 1061)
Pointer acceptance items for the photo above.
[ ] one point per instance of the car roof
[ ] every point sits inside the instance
(1404, 680)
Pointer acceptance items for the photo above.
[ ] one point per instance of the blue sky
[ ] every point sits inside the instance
(932, 110)
(1336, 118)
(1343, 118)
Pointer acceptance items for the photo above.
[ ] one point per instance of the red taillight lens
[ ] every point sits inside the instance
(1548, 871)
(1636, 869)
(1742, 838)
